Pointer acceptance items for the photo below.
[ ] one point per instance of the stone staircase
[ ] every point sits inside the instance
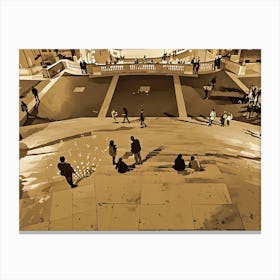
(153, 196)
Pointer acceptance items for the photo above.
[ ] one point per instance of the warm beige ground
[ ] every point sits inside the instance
(153, 196)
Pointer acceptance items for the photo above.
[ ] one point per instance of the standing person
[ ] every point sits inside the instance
(82, 66)
(229, 118)
(66, 170)
(142, 119)
(197, 65)
(85, 66)
(135, 149)
(213, 82)
(35, 93)
(212, 117)
(113, 151)
(114, 115)
(24, 108)
(206, 92)
(125, 115)
(223, 118)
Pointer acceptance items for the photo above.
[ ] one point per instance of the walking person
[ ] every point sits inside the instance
(135, 149)
(82, 66)
(35, 93)
(85, 67)
(24, 108)
(125, 115)
(229, 118)
(142, 119)
(67, 171)
(212, 117)
(213, 82)
(114, 115)
(113, 151)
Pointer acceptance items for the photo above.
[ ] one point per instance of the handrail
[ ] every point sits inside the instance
(156, 68)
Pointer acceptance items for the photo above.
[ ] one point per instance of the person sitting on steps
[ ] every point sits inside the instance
(122, 167)
(179, 163)
(194, 164)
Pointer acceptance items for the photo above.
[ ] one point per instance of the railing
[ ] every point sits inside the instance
(158, 68)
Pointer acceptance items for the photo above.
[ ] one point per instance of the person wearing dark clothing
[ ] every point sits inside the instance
(82, 66)
(206, 92)
(219, 62)
(125, 115)
(24, 108)
(179, 163)
(197, 66)
(85, 66)
(213, 82)
(121, 166)
(35, 93)
(113, 151)
(135, 149)
(66, 170)
(142, 119)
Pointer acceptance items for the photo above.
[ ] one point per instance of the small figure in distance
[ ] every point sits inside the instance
(229, 118)
(24, 108)
(122, 167)
(113, 151)
(213, 82)
(223, 118)
(212, 117)
(35, 93)
(179, 163)
(194, 164)
(85, 66)
(125, 115)
(142, 119)
(66, 170)
(114, 115)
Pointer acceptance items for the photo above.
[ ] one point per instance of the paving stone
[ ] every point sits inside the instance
(118, 217)
(85, 220)
(36, 227)
(166, 217)
(64, 223)
(61, 204)
(217, 217)
(83, 199)
(34, 210)
(117, 190)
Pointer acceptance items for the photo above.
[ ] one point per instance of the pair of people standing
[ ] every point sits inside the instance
(226, 117)
(135, 150)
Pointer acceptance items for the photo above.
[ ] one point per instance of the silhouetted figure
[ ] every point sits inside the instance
(35, 93)
(66, 170)
(179, 163)
(135, 149)
(142, 119)
(82, 66)
(125, 115)
(194, 164)
(24, 108)
(212, 117)
(197, 66)
(213, 82)
(85, 66)
(121, 166)
(113, 151)
(206, 92)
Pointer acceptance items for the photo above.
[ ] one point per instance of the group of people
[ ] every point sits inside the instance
(135, 149)
(180, 164)
(83, 66)
(225, 118)
(114, 115)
